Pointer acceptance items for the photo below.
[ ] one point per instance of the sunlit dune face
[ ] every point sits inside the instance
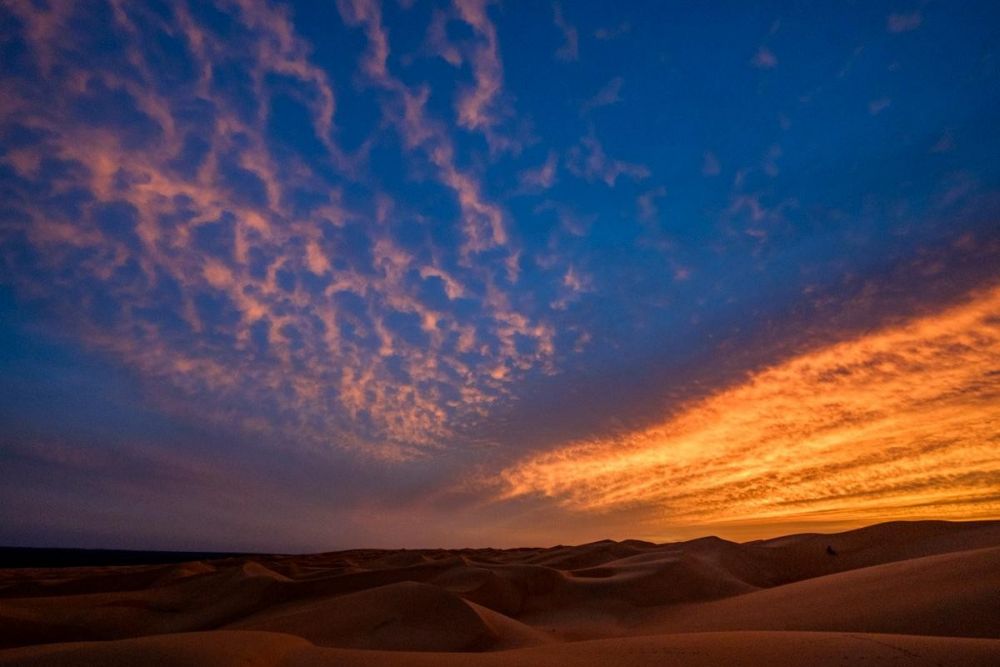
(903, 422)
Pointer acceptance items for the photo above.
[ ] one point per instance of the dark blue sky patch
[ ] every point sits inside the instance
(313, 283)
(258, 262)
(129, 278)
(175, 66)
(432, 291)
(218, 238)
(294, 337)
(245, 186)
(290, 126)
(351, 247)
(69, 205)
(408, 327)
(218, 314)
(231, 79)
(115, 109)
(118, 220)
(304, 201)
(57, 169)
(286, 278)
(197, 115)
(192, 155)
(18, 135)
(14, 51)
(260, 336)
(104, 309)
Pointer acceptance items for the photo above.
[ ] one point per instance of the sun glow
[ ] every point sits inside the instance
(899, 423)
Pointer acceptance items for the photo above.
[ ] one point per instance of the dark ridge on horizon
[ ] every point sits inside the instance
(56, 557)
(18, 557)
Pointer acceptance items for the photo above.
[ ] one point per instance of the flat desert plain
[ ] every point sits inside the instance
(903, 593)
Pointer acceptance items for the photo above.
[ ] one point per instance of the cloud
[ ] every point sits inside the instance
(574, 283)
(589, 161)
(316, 259)
(710, 165)
(753, 214)
(541, 177)
(646, 204)
(368, 14)
(606, 96)
(484, 221)
(875, 107)
(570, 49)
(897, 423)
(482, 107)
(770, 165)
(764, 59)
(570, 221)
(477, 106)
(613, 32)
(437, 39)
(945, 144)
(897, 23)
(180, 237)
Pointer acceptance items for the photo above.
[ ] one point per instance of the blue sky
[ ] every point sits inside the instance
(315, 274)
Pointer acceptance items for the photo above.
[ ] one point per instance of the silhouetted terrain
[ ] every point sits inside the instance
(897, 593)
(15, 557)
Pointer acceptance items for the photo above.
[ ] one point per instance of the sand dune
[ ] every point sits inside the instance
(404, 616)
(777, 649)
(899, 593)
(956, 594)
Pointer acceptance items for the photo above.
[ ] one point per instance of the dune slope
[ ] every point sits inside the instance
(956, 594)
(778, 649)
(898, 593)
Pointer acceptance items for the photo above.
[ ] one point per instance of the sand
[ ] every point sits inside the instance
(893, 594)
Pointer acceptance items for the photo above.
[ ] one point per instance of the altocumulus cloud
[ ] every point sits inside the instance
(156, 203)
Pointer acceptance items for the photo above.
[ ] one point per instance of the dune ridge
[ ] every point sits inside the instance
(895, 593)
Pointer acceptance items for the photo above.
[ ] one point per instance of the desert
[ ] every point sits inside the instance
(901, 593)
(499, 333)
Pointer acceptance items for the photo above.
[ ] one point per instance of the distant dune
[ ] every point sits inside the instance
(921, 593)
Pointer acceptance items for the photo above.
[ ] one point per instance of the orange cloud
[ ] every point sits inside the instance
(899, 423)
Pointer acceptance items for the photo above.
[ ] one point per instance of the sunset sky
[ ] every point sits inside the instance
(330, 274)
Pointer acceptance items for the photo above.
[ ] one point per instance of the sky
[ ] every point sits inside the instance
(327, 274)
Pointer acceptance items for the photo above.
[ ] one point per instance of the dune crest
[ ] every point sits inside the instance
(897, 593)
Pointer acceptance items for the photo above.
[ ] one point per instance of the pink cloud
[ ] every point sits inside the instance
(710, 165)
(606, 96)
(319, 380)
(875, 107)
(646, 204)
(437, 39)
(897, 23)
(613, 32)
(476, 106)
(589, 161)
(541, 177)
(764, 59)
(570, 49)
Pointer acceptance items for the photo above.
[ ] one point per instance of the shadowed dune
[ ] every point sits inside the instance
(260, 649)
(954, 594)
(898, 593)
(404, 616)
